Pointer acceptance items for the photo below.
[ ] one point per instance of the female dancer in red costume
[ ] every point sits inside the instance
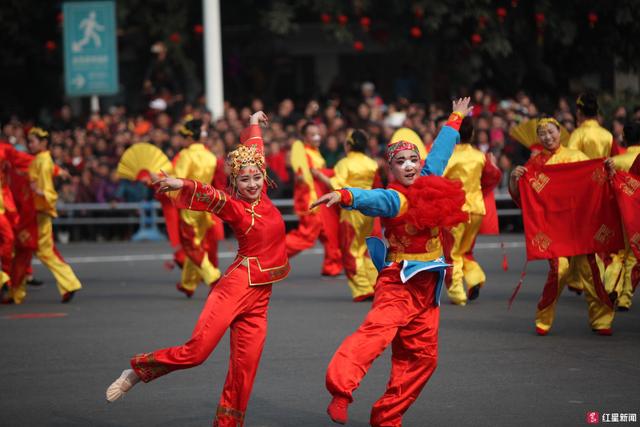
(240, 299)
(405, 311)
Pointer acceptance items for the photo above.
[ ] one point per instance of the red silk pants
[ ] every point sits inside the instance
(405, 316)
(232, 304)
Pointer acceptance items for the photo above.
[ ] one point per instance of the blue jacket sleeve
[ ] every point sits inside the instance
(378, 202)
(441, 151)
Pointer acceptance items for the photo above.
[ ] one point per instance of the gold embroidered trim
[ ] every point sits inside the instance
(195, 188)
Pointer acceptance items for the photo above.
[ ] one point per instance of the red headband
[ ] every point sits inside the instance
(395, 147)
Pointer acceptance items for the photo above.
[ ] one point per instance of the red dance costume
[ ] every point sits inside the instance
(405, 310)
(240, 299)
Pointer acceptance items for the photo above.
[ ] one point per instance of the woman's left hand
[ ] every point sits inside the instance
(259, 117)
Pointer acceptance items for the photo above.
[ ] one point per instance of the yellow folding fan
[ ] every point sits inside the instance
(140, 157)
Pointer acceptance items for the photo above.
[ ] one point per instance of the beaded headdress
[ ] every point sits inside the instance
(244, 156)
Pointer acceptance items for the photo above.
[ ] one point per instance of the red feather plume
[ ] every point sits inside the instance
(435, 202)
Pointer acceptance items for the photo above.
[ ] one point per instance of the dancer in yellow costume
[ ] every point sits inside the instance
(473, 168)
(195, 162)
(590, 138)
(623, 273)
(355, 170)
(41, 173)
(562, 269)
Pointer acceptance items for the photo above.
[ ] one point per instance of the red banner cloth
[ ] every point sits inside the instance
(490, 223)
(627, 189)
(569, 209)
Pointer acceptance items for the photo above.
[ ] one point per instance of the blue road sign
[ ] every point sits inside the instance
(90, 49)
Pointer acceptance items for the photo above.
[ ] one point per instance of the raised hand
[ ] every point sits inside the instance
(329, 199)
(462, 105)
(259, 117)
(165, 183)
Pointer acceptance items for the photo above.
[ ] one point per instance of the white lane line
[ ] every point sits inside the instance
(168, 257)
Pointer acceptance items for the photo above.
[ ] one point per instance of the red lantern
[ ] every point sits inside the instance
(502, 13)
(416, 32)
(365, 21)
(358, 45)
(593, 19)
(325, 18)
(482, 21)
(418, 12)
(175, 38)
(540, 18)
(514, 3)
(198, 29)
(476, 39)
(59, 17)
(50, 45)
(342, 20)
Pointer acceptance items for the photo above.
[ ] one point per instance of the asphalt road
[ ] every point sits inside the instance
(493, 370)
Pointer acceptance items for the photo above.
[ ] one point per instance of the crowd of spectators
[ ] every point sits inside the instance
(90, 148)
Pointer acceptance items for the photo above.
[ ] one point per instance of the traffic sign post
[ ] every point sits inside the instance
(90, 49)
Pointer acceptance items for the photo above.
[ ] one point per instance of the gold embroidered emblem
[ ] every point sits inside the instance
(410, 229)
(599, 176)
(23, 236)
(541, 241)
(432, 245)
(629, 186)
(203, 197)
(399, 243)
(604, 234)
(539, 181)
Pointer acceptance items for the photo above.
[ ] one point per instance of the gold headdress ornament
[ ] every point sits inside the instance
(350, 141)
(580, 102)
(39, 132)
(184, 131)
(548, 120)
(244, 156)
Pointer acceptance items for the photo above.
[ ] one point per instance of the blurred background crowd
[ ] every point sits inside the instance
(90, 147)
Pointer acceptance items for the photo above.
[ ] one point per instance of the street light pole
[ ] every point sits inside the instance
(213, 57)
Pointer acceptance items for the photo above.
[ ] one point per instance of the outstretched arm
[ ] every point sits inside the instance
(196, 196)
(378, 202)
(446, 140)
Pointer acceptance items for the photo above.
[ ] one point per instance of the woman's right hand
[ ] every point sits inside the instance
(517, 173)
(329, 199)
(165, 183)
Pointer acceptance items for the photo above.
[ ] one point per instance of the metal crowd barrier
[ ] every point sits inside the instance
(145, 214)
(72, 213)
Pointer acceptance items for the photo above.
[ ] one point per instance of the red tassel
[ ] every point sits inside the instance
(505, 262)
(517, 289)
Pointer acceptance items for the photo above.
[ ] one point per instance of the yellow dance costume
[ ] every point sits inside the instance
(617, 276)
(466, 164)
(41, 172)
(198, 163)
(356, 170)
